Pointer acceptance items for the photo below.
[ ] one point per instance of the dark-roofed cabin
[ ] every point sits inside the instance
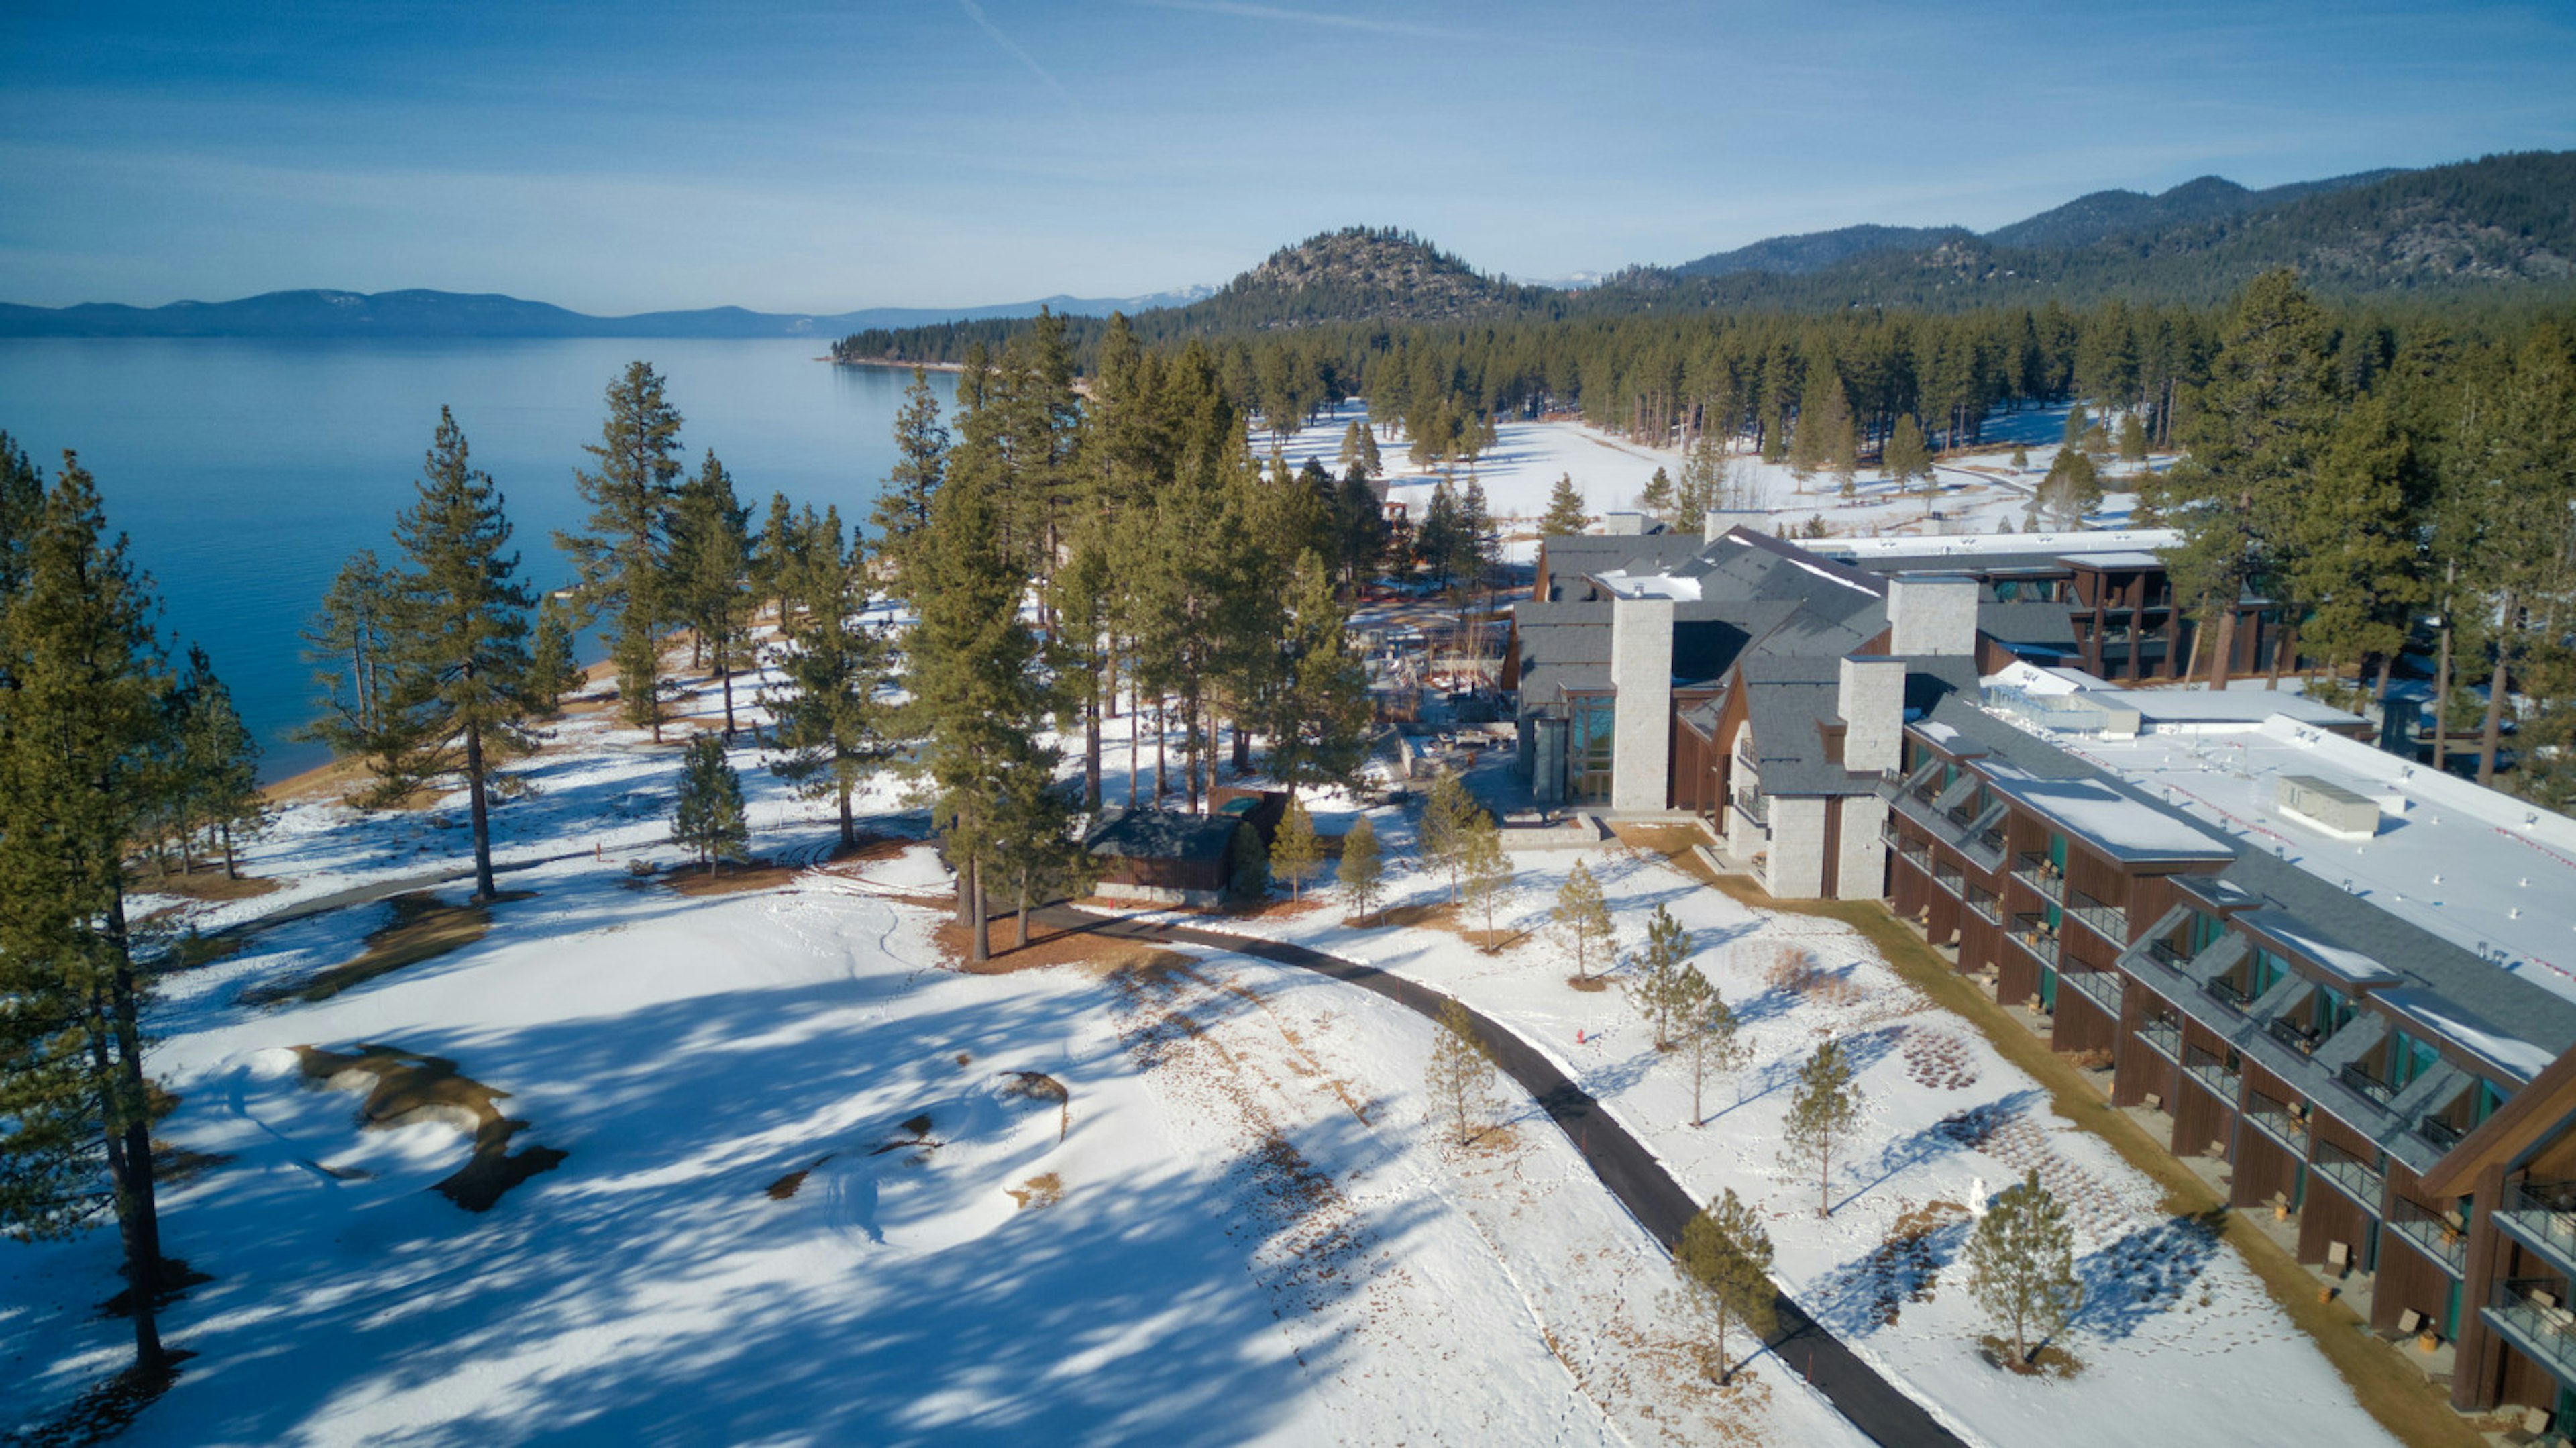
(1164, 856)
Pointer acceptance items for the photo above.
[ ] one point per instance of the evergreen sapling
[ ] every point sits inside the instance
(1361, 872)
(708, 820)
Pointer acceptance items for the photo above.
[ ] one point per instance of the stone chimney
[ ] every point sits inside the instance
(1718, 522)
(1641, 677)
(1872, 706)
(1932, 614)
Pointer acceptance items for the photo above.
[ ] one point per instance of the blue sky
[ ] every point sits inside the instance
(825, 156)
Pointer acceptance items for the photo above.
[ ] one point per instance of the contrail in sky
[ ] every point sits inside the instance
(1250, 11)
(975, 13)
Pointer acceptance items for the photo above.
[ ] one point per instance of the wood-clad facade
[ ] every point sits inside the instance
(2401, 1153)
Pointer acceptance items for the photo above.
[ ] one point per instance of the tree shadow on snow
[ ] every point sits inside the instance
(2145, 1273)
(1122, 1312)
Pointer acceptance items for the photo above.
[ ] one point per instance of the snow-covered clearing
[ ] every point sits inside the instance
(1239, 1227)
(2178, 1339)
(1978, 489)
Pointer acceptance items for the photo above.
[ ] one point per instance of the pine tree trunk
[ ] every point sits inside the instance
(849, 831)
(232, 867)
(2442, 674)
(1091, 747)
(2222, 649)
(1242, 748)
(1162, 752)
(979, 948)
(727, 667)
(479, 807)
(2491, 734)
(1024, 908)
(138, 1216)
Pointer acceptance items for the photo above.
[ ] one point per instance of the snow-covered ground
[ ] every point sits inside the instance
(1242, 1228)
(2178, 1339)
(1978, 489)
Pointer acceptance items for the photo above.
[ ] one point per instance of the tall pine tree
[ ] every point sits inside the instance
(463, 643)
(623, 557)
(833, 719)
(81, 714)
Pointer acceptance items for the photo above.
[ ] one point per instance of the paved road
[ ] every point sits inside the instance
(1621, 1162)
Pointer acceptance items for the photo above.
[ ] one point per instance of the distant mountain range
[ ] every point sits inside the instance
(456, 314)
(2497, 227)
(2084, 221)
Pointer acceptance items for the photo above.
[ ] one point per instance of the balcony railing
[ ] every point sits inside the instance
(2291, 1034)
(2279, 1120)
(2542, 1214)
(1947, 876)
(2101, 987)
(2438, 1234)
(2357, 1076)
(2163, 953)
(2532, 1314)
(1981, 902)
(2031, 934)
(2108, 921)
(2224, 991)
(1754, 805)
(2359, 1180)
(2164, 1034)
(2438, 1134)
(2038, 874)
(1991, 839)
(2212, 1072)
(1915, 853)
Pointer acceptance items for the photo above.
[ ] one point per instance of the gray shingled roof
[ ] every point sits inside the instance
(1160, 834)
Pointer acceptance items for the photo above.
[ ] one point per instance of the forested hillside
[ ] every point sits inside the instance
(2451, 233)
(2475, 236)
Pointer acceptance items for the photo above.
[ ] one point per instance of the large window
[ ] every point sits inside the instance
(2490, 1101)
(2267, 973)
(2332, 1012)
(2205, 931)
(2409, 1058)
(1589, 751)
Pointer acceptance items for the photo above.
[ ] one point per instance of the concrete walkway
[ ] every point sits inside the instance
(1624, 1165)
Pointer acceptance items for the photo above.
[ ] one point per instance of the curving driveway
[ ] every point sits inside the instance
(1623, 1164)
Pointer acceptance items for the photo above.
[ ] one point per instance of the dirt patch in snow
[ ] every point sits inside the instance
(400, 1083)
(734, 877)
(1938, 1059)
(1451, 918)
(423, 928)
(207, 883)
(1043, 1190)
(1273, 909)
(785, 1187)
(1046, 947)
(2051, 1361)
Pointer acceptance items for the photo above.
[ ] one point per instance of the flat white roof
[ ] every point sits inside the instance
(2480, 869)
(2176, 707)
(2106, 817)
(2134, 541)
(1649, 585)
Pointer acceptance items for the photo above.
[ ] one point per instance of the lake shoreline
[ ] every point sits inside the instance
(895, 363)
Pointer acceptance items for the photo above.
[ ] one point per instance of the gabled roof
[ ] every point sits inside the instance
(1160, 834)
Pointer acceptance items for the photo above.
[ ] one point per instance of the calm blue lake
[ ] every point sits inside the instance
(245, 471)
